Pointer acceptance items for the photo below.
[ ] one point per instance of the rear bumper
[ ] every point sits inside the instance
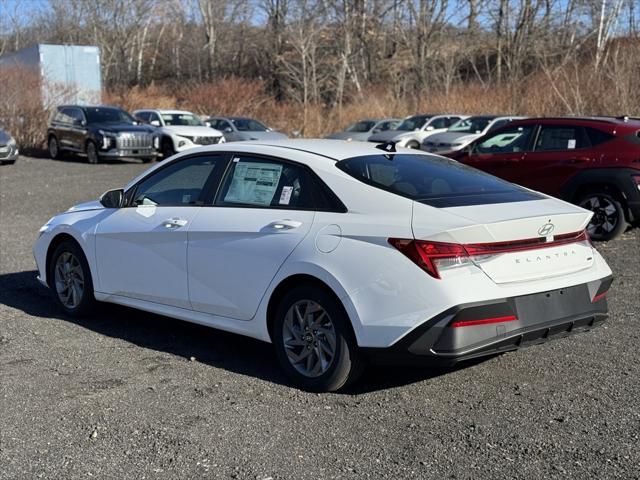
(460, 333)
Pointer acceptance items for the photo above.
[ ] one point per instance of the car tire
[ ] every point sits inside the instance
(54, 148)
(70, 280)
(7, 162)
(167, 148)
(91, 150)
(314, 341)
(608, 221)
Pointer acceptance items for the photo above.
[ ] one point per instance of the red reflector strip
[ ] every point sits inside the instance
(600, 296)
(483, 321)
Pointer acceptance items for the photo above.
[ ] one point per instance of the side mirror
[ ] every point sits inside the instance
(429, 128)
(207, 124)
(155, 123)
(376, 130)
(228, 130)
(112, 198)
(269, 129)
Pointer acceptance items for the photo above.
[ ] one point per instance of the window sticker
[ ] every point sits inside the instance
(285, 196)
(571, 144)
(254, 183)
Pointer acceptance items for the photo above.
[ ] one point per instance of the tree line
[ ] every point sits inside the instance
(330, 52)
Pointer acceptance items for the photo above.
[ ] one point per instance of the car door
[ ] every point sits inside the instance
(263, 210)
(559, 152)
(64, 128)
(503, 152)
(141, 249)
(77, 129)
(230, 134)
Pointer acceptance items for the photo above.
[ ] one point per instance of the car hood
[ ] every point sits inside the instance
(390, 135)
(4, 137)
(451, 137)
(359, 136)
(263, 135)
(122, 127)
(87, 206)
(192, 131)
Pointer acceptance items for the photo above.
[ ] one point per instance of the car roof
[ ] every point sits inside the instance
(168, 112)
(583, 120)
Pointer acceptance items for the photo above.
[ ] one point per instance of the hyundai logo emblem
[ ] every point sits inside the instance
(546, 229)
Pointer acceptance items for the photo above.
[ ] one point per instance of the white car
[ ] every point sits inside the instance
(179, 130)
(413, 130)
(462, 133)
(337, 252)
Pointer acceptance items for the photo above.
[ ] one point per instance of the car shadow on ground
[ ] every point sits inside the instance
(221, 349)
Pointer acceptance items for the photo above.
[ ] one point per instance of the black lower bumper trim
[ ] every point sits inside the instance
(534, 319)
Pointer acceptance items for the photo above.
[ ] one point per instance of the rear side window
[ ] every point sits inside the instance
(561, 137)
(598, 136)
(435, 181)
(271, 183)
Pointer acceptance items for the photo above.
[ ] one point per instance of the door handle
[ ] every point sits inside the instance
(284, 224)
(174, 223)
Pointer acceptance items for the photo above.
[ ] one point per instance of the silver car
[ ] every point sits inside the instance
(461, 134)
(363, 129)
(236, 129)
(8, 148)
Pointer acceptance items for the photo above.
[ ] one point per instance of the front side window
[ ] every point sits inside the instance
(144, 116)
(389, 125)
(432, 180)
(509, 140)
(261, 182)
(180, 184)
(555, 138)
(413, 123)
(65, 116)
(248, 125)
(107, 115)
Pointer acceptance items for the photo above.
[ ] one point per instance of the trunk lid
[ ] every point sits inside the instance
(513, 242)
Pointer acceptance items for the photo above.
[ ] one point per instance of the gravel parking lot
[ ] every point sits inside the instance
(133, 395)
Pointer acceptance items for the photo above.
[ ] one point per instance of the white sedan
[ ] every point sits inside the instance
(337, 252)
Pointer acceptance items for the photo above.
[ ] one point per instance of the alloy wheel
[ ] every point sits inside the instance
(605, 215)
(69, 280)
(309, 338)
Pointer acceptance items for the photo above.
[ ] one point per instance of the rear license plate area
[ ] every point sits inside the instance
(553, 305)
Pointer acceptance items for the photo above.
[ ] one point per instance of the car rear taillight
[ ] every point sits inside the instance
(434, 257)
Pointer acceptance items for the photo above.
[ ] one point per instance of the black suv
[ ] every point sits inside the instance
(100, 132)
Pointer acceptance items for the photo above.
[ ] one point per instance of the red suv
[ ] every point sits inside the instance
(592, 162)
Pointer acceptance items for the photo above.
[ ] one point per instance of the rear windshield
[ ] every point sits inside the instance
(432, 180)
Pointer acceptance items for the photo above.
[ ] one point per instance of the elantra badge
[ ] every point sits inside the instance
(546, 229)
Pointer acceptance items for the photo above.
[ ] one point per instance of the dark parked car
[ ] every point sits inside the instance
(100, 132)
(593, 162)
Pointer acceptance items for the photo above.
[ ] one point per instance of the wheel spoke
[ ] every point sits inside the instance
(309, 338)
